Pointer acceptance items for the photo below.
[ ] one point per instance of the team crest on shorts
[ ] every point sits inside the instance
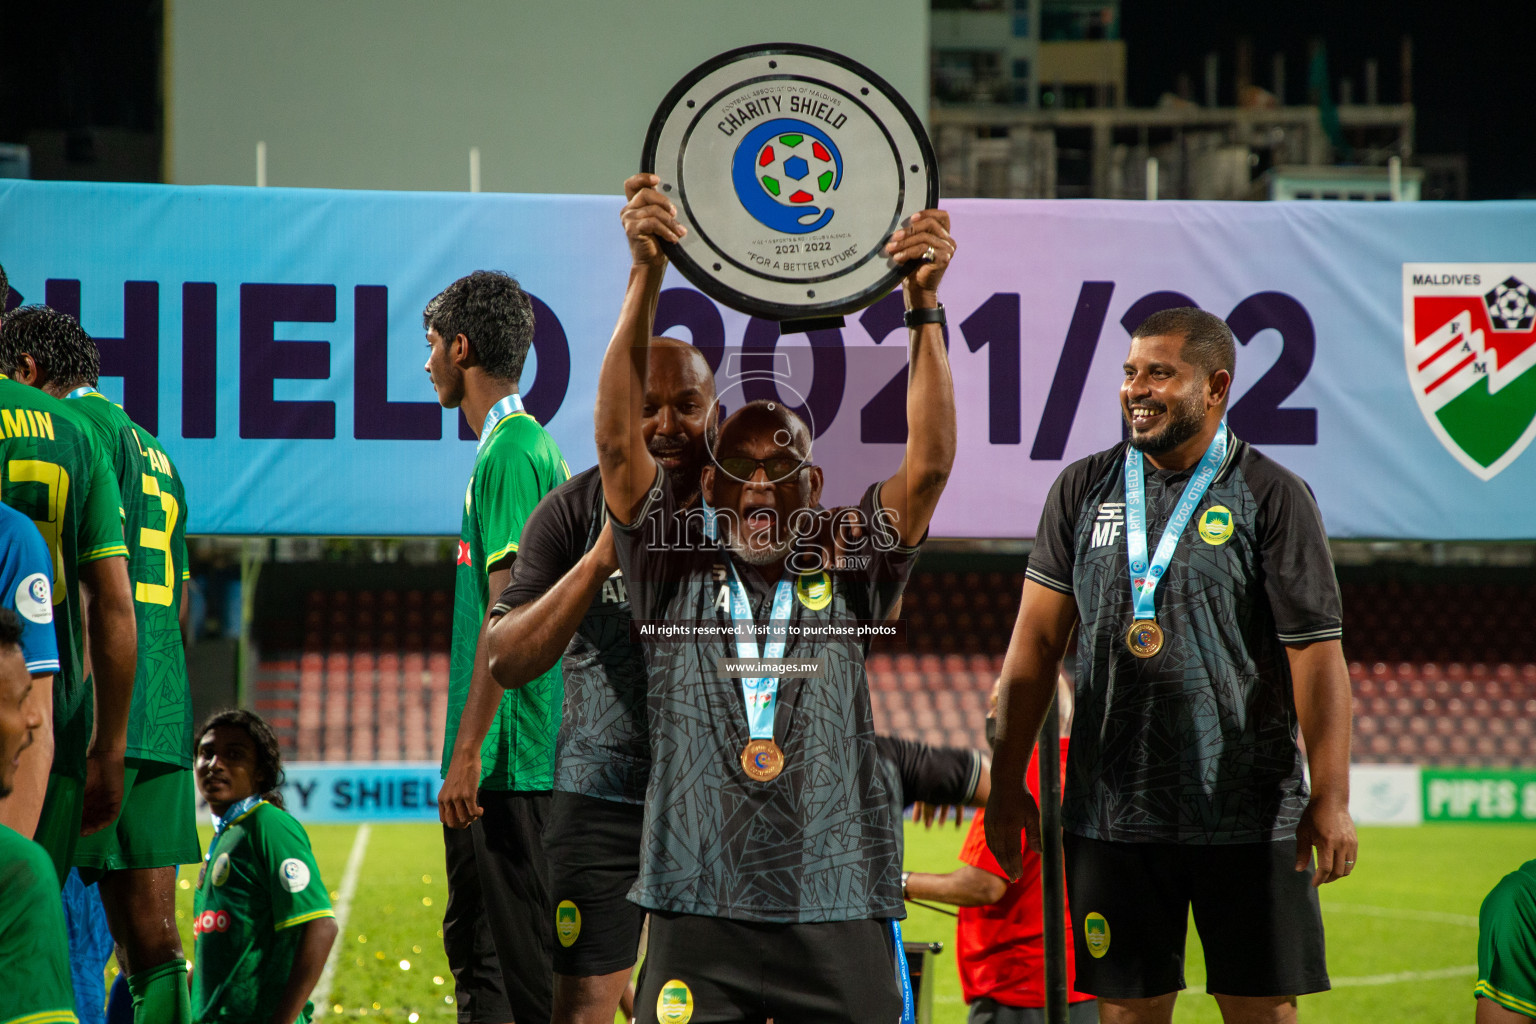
(1469, 338)
(815, 592)
(675, 1003)
(1096, 935)
(567, 923)
(219, 873)
(1215, 524)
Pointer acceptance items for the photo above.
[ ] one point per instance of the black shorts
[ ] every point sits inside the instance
(990, 1011)
(498, 927)
(593, 849)
(1258, 918)
(710, 970)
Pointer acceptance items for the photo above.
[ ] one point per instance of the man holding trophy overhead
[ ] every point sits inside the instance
(770, 862)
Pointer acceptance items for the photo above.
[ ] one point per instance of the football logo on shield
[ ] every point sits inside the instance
(782, 169)
(1469, 335)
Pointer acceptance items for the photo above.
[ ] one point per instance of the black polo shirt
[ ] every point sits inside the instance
(1196, 744)
(817, 843)
(602, 750)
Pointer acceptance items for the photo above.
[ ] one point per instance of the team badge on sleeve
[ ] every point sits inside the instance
(34, 599)
(295, 874)
(567, 923)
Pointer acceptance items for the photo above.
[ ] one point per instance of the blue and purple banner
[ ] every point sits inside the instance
(272, 339)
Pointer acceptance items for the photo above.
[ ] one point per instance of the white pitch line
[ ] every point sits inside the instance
(322, 993)
(1439, 974)
(1433, 916)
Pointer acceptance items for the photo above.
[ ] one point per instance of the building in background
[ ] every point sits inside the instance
(1029, 101)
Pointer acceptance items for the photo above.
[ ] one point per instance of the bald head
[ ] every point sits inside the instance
(764, 425)
(674, 358)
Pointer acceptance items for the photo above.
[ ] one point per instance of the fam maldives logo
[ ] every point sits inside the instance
(1469, 338)
(782, 170)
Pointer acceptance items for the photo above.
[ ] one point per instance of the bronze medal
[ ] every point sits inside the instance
(1145, 638)
(762, 760)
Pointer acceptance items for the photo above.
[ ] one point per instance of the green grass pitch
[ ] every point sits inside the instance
(1402, 931)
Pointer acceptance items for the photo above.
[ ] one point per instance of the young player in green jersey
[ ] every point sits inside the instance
(55, 474)
(135, 859)
(34, 949)
(1506, 950)
(499, 746)
(262, 918)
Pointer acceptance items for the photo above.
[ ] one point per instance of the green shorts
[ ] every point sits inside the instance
(58, 830)
(157, 827)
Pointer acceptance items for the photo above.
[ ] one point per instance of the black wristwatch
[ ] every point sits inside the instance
(918, 317)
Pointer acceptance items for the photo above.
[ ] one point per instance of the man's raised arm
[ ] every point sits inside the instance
(627, 467)
(913, 492)
(527, 639)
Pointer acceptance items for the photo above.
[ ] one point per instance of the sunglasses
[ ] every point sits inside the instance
(778, 468)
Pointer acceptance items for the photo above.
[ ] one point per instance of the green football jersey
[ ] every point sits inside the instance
(517, 464)
(259, 882)
(34, 947)
(55, 474)
(155, 530)
(1506, 942)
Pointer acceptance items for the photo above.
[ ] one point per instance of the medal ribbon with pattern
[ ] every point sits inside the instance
(1145, 637)
(761, 759)
(227, 819)
(506, 407)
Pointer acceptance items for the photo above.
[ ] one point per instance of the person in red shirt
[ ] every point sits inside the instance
(999, 940)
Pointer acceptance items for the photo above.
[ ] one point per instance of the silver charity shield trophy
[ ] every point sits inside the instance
(790, 166)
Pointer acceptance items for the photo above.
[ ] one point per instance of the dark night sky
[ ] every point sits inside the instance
(1474, 66)
(94, 62)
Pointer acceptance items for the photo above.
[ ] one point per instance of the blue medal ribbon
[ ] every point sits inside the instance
(903, 976)
(761, 693)
(227, 819)
(83, 390)
(1145, 577)
(506, 407)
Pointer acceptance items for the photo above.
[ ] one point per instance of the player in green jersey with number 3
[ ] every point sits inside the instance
(135, 859)
(51, 470)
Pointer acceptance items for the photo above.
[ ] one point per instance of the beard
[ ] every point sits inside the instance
(684, 478)
(763, 548)
(685, 483)
(1185, 420)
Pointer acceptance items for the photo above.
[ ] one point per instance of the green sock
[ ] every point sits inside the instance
(160, 994)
